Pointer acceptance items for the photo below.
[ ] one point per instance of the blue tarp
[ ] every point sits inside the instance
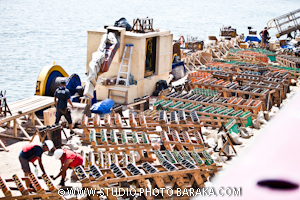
(103, 106)
(252, 39)
(177, 64)
(181, 63)
(288, 47)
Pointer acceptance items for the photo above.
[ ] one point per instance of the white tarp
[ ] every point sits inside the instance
(98, 58)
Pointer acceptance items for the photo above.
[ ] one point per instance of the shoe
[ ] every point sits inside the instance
(72, 133)
(62, 182)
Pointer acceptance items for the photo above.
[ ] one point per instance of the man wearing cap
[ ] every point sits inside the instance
(69, 160)
(32, 152)
(264, 37)
(63, 95)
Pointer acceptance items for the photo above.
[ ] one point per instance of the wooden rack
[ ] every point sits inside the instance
(175, 175)
(288, 61)
(38, 192)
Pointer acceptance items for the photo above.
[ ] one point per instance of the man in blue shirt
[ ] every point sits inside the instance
(63, 95)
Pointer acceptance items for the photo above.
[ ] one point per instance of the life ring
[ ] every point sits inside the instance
(181, 40)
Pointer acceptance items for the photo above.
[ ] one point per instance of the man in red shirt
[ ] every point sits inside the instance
(264, 37)
(32, 152)
(69, 159)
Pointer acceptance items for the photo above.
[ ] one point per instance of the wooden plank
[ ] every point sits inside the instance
(10, 136)
(165, 192)
(137, 103)
(159, 167)
(210, 114)
(32, 119)
(3, 146)
(212, 103)
(25, 101)
(178, 182)
(114, 180)
(32, 105)
(15, 128)
(200, 146)
(127, 149)
(32, 196)
(143, 184)
(159, 183)
(122, 145)
(38, 120)
(26, 105)
(114, 127)
(176, 125)
(23, 130)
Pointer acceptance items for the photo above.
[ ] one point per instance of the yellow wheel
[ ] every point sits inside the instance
(47, 74)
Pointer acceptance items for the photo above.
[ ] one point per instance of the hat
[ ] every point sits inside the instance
(63, 81)
(58, 153)
(49, 144)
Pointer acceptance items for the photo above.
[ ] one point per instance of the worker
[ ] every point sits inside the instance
(289, 36)
(264, 37)
(32, 152)
(69, 160)
(63, 96)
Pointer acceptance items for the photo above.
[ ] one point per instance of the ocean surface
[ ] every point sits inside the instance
(35, 33)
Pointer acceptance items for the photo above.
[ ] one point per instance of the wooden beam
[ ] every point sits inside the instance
(199, 62)
(193, 64)
(10, 136)
(187, 68)
(23, 130)
(136, 103)
(38, 120)
(3, 146)
(32, 118)
(168, 173)
(203, 57)
(31, 196)
(15, 128)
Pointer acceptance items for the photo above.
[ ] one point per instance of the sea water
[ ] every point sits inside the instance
(36, 33)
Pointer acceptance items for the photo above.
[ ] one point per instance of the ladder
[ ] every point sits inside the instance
(286, 23)
(127, 58)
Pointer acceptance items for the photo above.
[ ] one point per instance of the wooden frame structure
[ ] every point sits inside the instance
(4, 109)
(39, 192)
(215, 112)
(46, 132)
(227, 88)
(187, 168)
(143, 25)
(3, 145)
(26, 107)
(269, 172)
(159, 176)
(288, 61)
(197, 99)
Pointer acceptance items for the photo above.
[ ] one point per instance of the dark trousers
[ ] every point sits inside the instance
(65, 112)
